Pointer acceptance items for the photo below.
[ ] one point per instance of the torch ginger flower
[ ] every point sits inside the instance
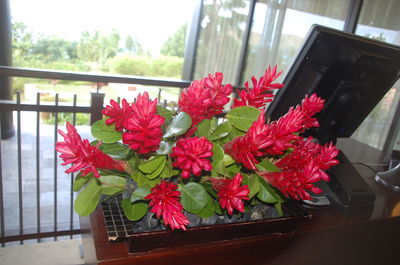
(143, 128)
(191, 155)
(165, 202)
(230, 193)
(301, 168)
(85, 157)
(260, 93)
(274, 138)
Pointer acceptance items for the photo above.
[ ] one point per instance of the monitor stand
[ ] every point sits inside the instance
(346, 190)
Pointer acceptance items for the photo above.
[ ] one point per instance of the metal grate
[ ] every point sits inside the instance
(120, 228)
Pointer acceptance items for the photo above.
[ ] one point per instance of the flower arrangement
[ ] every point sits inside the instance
(197, 160)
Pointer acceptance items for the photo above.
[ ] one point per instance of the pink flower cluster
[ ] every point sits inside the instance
(205, 98)
(139, 122)
(230, 192)
(192, 155)
(164, 200)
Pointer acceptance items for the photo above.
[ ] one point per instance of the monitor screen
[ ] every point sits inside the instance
(352, 73)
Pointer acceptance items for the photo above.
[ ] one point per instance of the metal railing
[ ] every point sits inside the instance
(94, 109)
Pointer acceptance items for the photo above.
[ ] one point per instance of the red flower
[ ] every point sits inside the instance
(230, 193)
(301, 168)
(281, 134)
(85, 157)
(191, 155)
(205, 98)
(294, 183)
(246, 149)
(117, 114)
(143, 126)
(309, 107)
(165, 201)
(260, 93)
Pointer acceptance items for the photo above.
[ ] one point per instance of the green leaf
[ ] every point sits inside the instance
(108, 172)
(208, 211)
(218, 154)
(218, 209)
(109, 182)
(193, 197)
(142, 181)
(243, 117)
(165, 147)
(233, 169)
(266, 193)
(105, 133)
(167, 171)
(209, 189)
(151, 165)
(134, 161)
(254, 186)
(267, 165)
(140, 193)
(219, 168)
(80, 181)
(87, 200)
(228, 160)
(115, 150)
(203, 128)
(166, 113)
(235, 133)
(158, 171)
(278, 207)
(179, 125)
(134, 211)
(221, 131)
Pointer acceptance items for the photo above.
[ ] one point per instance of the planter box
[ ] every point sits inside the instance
(119, 228)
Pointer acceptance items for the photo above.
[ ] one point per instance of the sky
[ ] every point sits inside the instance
(151, 21)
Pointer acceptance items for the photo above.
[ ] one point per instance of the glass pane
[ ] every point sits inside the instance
(221, 35)
(145, 38)
(279, 28)
(380, 20)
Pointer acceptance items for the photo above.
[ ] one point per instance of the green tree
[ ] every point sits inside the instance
(97, 47)
(22, 39)
(133, 46)
(175, 44)
(54, 49)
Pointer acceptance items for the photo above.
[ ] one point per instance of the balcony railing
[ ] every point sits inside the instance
(18, 107)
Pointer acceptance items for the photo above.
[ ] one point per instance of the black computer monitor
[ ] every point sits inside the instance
(352, 73)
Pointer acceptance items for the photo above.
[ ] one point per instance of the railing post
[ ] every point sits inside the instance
(7, 127)
(96, 105)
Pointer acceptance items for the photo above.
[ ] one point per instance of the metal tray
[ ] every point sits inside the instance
(120, 228)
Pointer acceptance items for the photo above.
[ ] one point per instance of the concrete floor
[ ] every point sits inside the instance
(52, 253)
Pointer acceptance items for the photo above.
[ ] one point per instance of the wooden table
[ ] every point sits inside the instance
(331, 237)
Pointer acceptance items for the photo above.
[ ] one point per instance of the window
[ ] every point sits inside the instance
(279, 28)
(221, 35)
(380, 20)
(145, 38)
